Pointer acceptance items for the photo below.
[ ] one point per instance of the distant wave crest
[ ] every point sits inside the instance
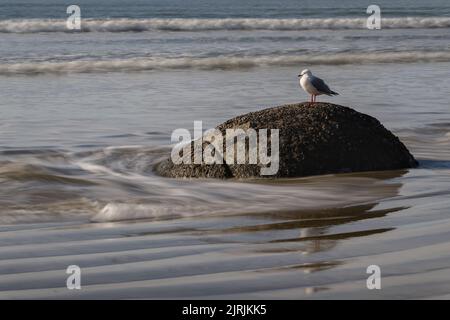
(221, 62)
(179, 24)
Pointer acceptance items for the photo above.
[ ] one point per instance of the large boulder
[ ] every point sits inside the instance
(317, 138)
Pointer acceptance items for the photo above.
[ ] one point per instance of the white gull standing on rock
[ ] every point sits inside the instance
(314, 85)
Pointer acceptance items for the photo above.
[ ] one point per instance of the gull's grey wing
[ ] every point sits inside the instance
(321, 86)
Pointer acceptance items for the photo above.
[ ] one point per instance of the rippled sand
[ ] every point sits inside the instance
(305, 253)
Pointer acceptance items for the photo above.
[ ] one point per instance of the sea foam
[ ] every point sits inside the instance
(183, 24)
(220, 62)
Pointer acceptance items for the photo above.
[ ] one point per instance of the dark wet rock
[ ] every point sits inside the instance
(319, 138)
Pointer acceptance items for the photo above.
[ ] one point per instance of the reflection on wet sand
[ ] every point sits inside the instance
(312, 228)
(306, 267)
(315, 227)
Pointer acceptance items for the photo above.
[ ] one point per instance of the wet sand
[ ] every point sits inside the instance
(309, 253)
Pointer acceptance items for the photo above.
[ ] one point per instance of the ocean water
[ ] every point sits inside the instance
(85, 115)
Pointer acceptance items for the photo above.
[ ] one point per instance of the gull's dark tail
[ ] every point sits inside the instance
(331, 93)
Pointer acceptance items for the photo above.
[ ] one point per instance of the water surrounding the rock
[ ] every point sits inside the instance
(84, 116)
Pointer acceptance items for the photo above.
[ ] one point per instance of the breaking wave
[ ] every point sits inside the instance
(221, 62)
(181, 24)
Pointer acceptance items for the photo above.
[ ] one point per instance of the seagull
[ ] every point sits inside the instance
(314, 85)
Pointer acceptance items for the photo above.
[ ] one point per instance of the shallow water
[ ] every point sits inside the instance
(84, 118)
(294, 238)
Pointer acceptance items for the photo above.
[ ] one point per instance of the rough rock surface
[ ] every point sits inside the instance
(318, 138)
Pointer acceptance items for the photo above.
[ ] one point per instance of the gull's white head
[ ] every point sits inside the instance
(306, 71)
